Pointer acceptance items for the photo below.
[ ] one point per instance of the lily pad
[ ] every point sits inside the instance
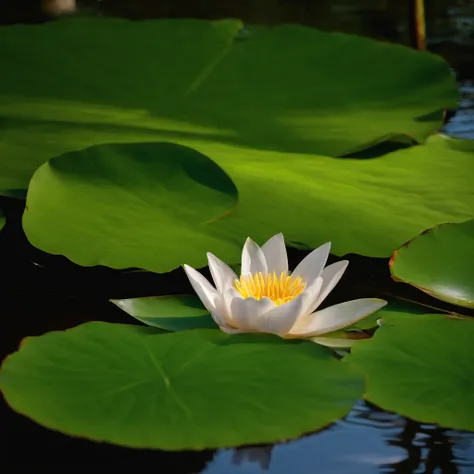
(440, 263)
(422, 367)
(171, 313)
(132, 386)
(122, 206)
(134, 201)
(279, 89)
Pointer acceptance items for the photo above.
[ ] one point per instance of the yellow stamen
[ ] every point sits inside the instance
(279, 288)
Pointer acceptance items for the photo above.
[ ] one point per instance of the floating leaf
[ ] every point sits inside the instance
(440, 262)
(195, 389)
(177, 80)
(421, 366)
(171, 313)
(140, 205)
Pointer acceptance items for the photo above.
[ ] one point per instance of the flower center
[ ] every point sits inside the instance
(279, 288)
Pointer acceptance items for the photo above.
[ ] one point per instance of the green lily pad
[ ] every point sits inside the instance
(177, 80)
(171, 313)
(132, 386)
(134, 200)
(135, 205)
(440, 263)
(422, 367)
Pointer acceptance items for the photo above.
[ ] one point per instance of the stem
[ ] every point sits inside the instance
(420, 24)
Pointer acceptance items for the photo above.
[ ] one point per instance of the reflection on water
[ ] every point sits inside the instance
(368, 441)
(462, 124)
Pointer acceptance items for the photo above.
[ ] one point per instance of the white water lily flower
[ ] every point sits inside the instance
(268, 298)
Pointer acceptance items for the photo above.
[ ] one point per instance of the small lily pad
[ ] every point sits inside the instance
(198, 389)
(440, 262)
(171, 313)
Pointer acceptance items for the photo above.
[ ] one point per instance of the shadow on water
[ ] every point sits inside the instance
(41, 293)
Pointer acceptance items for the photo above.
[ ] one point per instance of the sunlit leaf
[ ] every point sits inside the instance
(147, 206)
(129, 205)
(132, 386)
(287, 88)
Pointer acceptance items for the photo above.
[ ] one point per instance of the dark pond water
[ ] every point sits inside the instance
(462, 124)
(42, 293)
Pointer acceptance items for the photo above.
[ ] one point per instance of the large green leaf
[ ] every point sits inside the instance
(421, 366)
(186, 390)
(2, 220)
(86, 81)
(171, 313)
(132, 200)
(107, 205)
(440, 262)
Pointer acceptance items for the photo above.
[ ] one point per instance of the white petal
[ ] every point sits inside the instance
(206, 292)
(253, 260)
(223, 325)
(275, 254)
(222, 274)
(221, 314)
(331, 276)
(312, 265)
(281, 319)
(227, 298)
(338, 317)
(246, 312)
(219, 320)
(311, 294)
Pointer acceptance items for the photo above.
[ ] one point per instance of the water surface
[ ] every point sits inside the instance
(368, 441)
